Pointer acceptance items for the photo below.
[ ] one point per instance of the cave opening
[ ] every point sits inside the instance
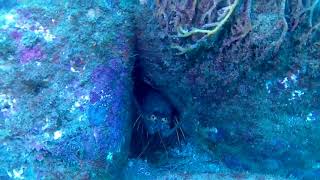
(155, 125)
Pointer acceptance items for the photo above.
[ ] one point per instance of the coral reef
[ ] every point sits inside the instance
(255, 82)
(238, 80)
(194, 20)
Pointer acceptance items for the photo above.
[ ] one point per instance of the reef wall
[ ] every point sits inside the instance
(242, 75)
(65, 89)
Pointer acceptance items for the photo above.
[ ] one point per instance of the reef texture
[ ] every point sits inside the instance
(243, 76)
(65, 90)
(248, 93)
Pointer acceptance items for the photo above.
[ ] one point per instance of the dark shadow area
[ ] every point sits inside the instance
(145, 144)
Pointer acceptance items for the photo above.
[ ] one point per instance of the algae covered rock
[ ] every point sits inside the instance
(65, 90)
(254, 83)
(159, 89)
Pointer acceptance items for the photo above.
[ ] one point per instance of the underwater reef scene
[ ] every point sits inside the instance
(160, 89)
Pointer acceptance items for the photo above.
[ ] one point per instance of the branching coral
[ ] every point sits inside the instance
(306, 10)
(224, 15)
(313, 29)
(190, 22)
(278, 43)
(277, 32)
(312, 8)
(242, 26)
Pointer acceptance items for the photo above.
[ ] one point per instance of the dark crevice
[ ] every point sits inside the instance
(145, 143)
(151, 139)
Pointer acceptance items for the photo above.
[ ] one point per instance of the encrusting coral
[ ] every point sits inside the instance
(190, 22)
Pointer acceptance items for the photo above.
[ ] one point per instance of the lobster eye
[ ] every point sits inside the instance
(153, 117)
(164, 119)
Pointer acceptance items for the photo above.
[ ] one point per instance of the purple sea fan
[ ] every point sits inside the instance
(16, 35)
(29, 54)
(109, 112)
(102, 78)
(102, 74)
